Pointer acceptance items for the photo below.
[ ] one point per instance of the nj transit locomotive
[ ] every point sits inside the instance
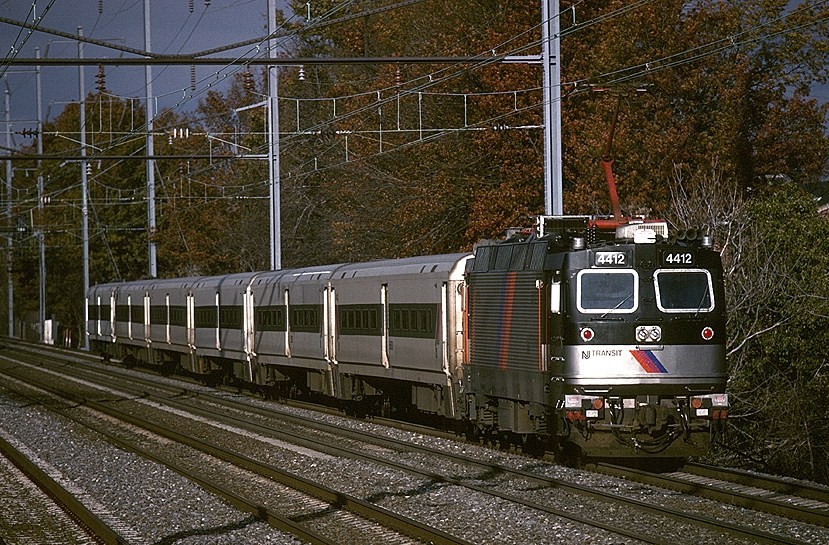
(562, 338)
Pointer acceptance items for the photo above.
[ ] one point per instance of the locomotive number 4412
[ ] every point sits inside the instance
(611, 259)
(678, 258)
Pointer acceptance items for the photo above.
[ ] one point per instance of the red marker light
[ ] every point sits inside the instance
(587, 334)
(707, 333)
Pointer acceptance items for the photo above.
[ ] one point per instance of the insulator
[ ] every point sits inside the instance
(301, 75)
(100, 7)
(192, 77)
(398, 77)
(207, 3)
(101, 78)
(191, 6)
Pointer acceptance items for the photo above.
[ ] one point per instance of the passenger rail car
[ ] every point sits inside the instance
(566, 337)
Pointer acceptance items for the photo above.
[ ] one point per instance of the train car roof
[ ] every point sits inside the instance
(136, 285)
(175, 282)
(408, 265)
(242, 279)
(286, 276)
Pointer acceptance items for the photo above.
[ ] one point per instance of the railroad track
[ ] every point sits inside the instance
(768, 494)
(62, 514)
(787, 489)
(167, 394)
(533, 479)
(373, 523)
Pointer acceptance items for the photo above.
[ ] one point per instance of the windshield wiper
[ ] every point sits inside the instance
(701, 299)
(614, 309)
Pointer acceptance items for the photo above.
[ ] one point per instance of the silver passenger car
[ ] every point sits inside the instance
(398, 318)
(100, 317)
(171, 327)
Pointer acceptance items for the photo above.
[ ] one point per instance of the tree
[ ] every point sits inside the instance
(776, 253)
(414, 166)
(721, 81)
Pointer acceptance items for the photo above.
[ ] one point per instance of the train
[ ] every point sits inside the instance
(566, 337)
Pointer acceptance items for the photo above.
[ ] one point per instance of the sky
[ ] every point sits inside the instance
(174, 30)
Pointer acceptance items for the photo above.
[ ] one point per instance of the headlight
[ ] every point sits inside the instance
(648, 333)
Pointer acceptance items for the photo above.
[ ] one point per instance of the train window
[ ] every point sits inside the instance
(205, 317)
(270, 319)
(555, 297)
(158, 315)
(230, 317)
(607, 291)
(360, 319)
(416, 320)
(137, 314)
(305, 318)
(684, 290)
(178, 315)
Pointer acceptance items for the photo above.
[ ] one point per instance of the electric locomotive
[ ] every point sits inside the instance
(607, 344)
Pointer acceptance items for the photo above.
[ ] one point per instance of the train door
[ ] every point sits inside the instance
(329, 324)
(112, 299)
(218, 318)
(444, 329)
(129, 316)
(248, 328)
(147, 316)
(384, 323)
(191, 320)
(287, 323)
(167, 320)
(97, 315)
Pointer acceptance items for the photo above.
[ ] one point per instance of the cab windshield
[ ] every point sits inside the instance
(607, 291)
(684, 290)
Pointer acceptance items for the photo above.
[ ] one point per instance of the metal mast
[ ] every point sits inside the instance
(551, 61)
(84, 203)
(41, 242)
(273, 143)
(9, 195)
(148, 80)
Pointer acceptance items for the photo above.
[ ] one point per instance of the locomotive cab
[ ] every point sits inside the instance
(644, 348)
(630, 346)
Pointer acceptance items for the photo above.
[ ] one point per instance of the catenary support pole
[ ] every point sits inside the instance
(273, 144)
(41, 241)
(84, 201)
(9, 195)
(150, 113)
(551, 62)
